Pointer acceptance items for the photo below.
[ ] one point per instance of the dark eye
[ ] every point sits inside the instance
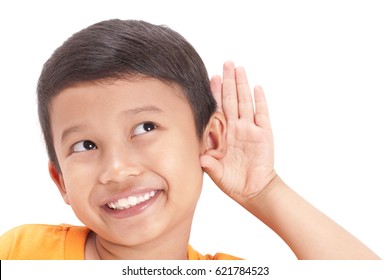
(83, 146)
(144, 128)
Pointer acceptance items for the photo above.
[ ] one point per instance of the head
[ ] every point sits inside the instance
(126, 111)
(121, 49)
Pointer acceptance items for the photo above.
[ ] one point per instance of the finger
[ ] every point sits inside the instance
(261, 114)
(216, 90)
(229, 91)
(245, 102)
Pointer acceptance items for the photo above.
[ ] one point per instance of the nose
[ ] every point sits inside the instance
(118, 166)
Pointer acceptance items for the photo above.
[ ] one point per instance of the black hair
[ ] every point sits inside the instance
(122, 48)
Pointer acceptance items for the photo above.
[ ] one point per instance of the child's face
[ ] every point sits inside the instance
(129, 157)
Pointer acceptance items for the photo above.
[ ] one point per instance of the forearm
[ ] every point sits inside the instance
(308, 232)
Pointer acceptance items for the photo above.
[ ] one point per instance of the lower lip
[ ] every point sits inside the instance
(131, 211)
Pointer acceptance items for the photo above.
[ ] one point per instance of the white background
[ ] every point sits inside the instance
(325, 68)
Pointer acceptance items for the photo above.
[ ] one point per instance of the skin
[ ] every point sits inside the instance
(246, 173)
(236, 151)
(124, 159)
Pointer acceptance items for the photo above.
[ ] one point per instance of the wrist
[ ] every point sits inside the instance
(259, 204)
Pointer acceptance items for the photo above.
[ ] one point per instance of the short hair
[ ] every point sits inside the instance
(119, 49)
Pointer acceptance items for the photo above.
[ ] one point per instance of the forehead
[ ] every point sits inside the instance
(127, 91)
(108, 98)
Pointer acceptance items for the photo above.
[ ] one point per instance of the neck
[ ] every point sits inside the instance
(173, 247)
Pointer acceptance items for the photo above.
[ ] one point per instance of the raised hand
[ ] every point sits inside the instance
(247, 168)
(248, 164)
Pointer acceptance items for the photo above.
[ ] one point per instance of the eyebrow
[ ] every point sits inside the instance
(134, 111)
(127, 113)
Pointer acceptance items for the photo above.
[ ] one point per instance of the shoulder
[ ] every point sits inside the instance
(194, 255)
(37, 241)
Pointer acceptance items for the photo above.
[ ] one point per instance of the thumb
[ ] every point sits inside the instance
(212, 167)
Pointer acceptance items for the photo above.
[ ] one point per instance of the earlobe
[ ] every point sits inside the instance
(214, 138)
(58, 180)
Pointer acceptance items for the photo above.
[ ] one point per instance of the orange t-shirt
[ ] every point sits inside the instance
(62, 242)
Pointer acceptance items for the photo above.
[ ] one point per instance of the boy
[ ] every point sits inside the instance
(130, 126)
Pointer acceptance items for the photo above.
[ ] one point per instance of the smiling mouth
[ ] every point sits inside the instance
(131, 201)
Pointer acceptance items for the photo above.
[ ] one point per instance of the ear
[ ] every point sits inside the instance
(59, 181)
(214, 136)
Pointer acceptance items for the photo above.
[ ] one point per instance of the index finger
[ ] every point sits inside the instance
(229, 91)
(216, 90)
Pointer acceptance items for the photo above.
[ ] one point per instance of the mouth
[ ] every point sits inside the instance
(131, 201)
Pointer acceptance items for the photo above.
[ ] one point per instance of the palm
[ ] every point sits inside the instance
(247, 166)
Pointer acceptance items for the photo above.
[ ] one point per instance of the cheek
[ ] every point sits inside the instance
(181, 168)
(78, 183)
(79, 190)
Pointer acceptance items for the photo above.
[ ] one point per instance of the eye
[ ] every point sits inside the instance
(144, 128)
(83, 146)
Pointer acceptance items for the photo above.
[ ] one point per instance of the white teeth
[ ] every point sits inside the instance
(122, 202)
(131, 201)
(111, 205)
